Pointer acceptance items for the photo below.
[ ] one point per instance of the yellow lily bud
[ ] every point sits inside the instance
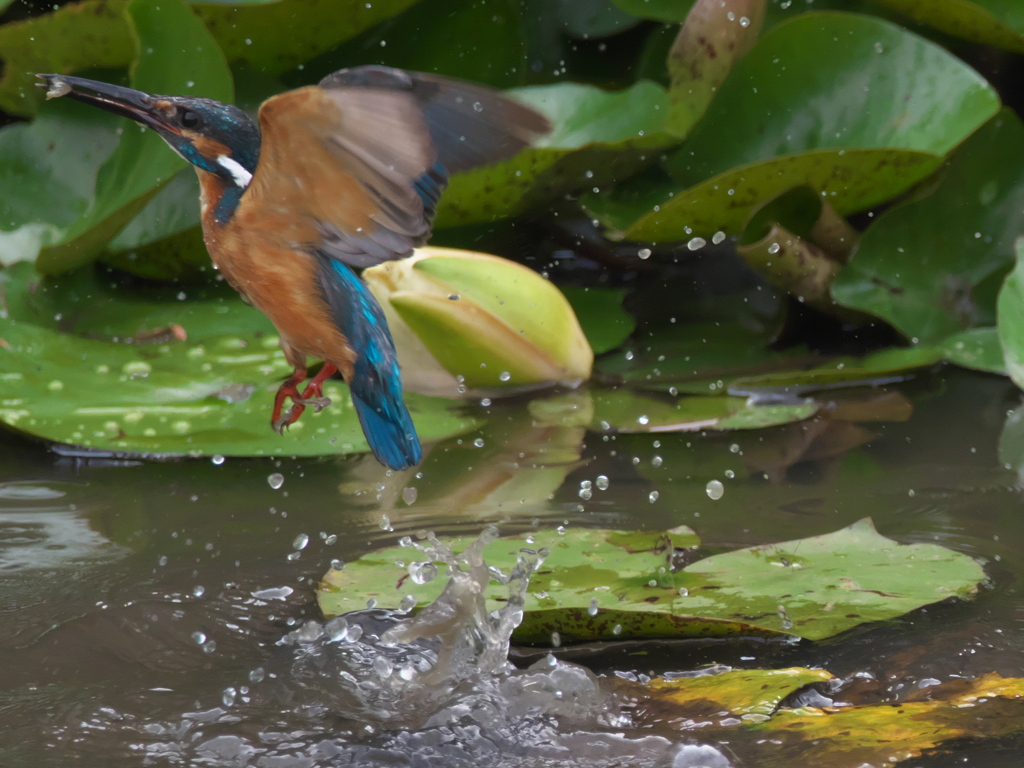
(471, 323)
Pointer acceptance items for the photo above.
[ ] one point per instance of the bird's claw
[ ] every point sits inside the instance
(318, 403)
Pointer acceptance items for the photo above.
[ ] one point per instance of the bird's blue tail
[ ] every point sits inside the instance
(392, 436)
(376, 382)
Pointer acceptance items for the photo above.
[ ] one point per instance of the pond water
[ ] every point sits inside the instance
(159, 613)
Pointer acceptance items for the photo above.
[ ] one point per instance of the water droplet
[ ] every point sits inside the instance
(617, 630)
(453, 297)
(556, 640)
(718, 237)
(696, 243)
(257, 675)
(385, 523)
(198, 591)
(383, 667)
(653, 496)
(744, 21)
(332, 539)
(730, 474)
(602, 482)
(644, 253)
(409, 494)
(407, 604)
(422, 572)
(774, 248)
(478, 107)
(656, 461)
(643, 420)
(337, 629)
(300, 542)
(228, 697)
(218, 460)
(198, 638)
(683, 592)
(505, 376)
(592, 609)
(787, 623)
(715, 489)
(479, 442)
(734, 448)
(275, 480)
(337, 564)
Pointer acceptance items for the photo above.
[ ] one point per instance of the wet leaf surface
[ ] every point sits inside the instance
(990, 22)
(851, 129)
(921, 266)
(611, 584)
(175, 55)
(597, 137)
(85, 364)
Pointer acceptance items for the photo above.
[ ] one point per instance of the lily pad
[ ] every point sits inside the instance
(605, 323)
(813, 588)
(919, 265)
(626, 411)
(88, 365)
(597, 137)
(1011, 319)
(747, 709)
(870, 110)
(989, 22)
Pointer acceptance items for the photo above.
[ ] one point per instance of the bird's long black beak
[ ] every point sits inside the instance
(136, 105)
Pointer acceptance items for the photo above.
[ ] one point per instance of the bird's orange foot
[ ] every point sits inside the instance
(312, 396)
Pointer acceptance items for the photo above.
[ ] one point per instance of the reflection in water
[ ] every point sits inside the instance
(374, 687)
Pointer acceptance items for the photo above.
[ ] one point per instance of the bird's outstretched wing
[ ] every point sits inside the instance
(360, 161)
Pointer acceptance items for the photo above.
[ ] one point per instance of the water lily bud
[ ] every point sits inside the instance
(467, 322)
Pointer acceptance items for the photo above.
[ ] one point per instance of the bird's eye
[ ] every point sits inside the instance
(189, 119)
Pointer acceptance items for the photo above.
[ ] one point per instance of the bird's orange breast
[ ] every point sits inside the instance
(259, 252)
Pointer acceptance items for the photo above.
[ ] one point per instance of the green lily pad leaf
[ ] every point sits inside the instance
(851, 130)
(823, 585)
(978, 349)
(597, 137)
(660, 10)
(605, 323)
(175, 55)
(989, 22)
(113, 374)
(813, 588)
(585, 567)
(1011, 319)
(77, 35)
(919, 265)
(273, 37)
(49, 175)
(625, 411)
(481, 41)
(276, 37)
(756, 692)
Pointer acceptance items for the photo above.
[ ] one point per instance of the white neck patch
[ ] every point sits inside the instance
(241, 176)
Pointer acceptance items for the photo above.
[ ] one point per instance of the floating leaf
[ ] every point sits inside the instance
(746, 709)
(625, 411)
(595, 580)
(1011, 319)
(871, 110)
(989, 22)
(599, 310)
(597, 137)
(919, 265)
(175, 55)
(271, 36)
(113, 374)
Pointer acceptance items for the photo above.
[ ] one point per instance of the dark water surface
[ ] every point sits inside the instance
(134, 594)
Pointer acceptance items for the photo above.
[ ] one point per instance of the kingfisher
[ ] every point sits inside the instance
(330, 177)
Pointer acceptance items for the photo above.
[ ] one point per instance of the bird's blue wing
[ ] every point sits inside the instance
(376, 383)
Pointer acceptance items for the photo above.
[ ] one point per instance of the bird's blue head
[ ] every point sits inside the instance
(217, 138)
